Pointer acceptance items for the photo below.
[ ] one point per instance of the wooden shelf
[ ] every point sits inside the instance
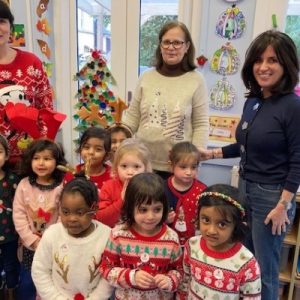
(291, 237)
(285, 276)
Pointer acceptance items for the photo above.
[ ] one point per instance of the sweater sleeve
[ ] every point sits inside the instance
(132, 115)
(251, 281)
(20, 217)
(231, 151)
(42, 270)
(109, 208)
(199, 119)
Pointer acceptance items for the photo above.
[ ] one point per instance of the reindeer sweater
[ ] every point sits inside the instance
(34, 209)
(64, 266)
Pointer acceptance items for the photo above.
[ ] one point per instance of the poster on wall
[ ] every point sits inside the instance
(18, 36)
(222, 129)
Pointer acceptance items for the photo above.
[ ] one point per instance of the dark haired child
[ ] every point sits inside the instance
(216, 264)
(9, 262)
(93, 148)
(65, 264)
(118, 133)
(183, 189)
(143, 257)
(36, 203)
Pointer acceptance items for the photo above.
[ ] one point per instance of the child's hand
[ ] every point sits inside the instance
(144, 279)
(163, 282)
(35, 244)
(171, 216)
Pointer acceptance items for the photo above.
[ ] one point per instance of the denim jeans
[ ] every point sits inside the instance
(26, 289)
(259, 200)
(10, 264)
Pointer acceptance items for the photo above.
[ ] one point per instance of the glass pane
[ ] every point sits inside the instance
(93, 28)
(154, 13)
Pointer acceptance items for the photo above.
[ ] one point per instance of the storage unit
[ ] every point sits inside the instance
(290, 259)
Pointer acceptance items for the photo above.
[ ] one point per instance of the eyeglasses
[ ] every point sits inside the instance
(176, 44)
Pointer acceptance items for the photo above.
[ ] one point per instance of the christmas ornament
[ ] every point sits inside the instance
(225, 60)
(231, 23)
(222, 95)
(201, 60)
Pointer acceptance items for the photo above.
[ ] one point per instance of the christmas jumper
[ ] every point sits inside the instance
(97, 179)
(65, 267)
(8, 185)
(110, 203)
(128, 251)
(167, 110)
(269, 141)
(35, 208)
(185, 205)
(23, 80)
(230, 275)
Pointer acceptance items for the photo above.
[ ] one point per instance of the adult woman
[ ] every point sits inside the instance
(268, 143)
(170, 102)
(22, 79)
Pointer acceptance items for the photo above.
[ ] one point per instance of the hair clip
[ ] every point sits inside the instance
(227, 199)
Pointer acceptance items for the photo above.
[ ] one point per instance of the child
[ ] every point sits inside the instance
(9, 239)
(131, 158)
(94, 147)
(118, 133)
(216, 264)
(35, 205)
(143, 257)
(183, 189)
(65, 264)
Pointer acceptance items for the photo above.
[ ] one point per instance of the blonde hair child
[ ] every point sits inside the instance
(131, 158)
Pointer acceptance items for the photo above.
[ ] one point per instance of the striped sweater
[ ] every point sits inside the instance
(127, 251)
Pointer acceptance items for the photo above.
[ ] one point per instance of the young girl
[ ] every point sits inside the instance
(9, 239)
(131, 158)
(183, 189)
(94, 147)
(65, 264)
(118, 133)
(35, 204)
(143, 257)
(216, 264)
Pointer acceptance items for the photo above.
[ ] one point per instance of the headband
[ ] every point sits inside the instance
(227, 199)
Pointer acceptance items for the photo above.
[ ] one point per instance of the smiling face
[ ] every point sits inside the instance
(43, 165)
(267, 71)
(172, 56)
(215, 229)
(75, 215)
(147, 217)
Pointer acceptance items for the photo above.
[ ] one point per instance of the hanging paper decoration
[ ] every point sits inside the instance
(231, 23)
(231, 1)
(42, 7)
(97, 105)
(43, 26)
(44, 48)
(222, 95)
(48, 68)
(225, 60)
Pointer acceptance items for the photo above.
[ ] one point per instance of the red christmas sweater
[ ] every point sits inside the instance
(185, 206)
(22, 81)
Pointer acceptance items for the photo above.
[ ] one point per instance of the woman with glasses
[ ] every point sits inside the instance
(170, 103)
(268, 142)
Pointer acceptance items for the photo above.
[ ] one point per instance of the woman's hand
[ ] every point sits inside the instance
(143, 279)
(205, 154)
(279, 218)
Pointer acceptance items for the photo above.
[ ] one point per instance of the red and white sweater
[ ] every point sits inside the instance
(128, 251)
(24, 76)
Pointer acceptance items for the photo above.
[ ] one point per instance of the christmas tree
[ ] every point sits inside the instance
(97, 105)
